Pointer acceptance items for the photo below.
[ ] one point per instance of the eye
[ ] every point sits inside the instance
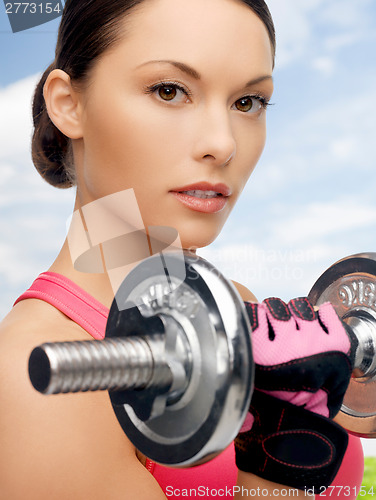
(251, 104)
(169, 91)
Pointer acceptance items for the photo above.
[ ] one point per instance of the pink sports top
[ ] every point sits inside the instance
(216, 478)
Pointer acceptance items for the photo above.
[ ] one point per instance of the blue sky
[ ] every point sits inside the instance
(311, 200)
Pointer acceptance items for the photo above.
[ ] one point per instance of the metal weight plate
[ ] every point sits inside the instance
(350, 285)
(207, 417)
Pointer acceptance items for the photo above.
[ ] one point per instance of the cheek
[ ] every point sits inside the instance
(137, 128)
(250, 147)
(131, 143)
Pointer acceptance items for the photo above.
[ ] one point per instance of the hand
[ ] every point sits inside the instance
(303, 358)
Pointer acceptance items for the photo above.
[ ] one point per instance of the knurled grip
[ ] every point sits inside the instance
(113, 364)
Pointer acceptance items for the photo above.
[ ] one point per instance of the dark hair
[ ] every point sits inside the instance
(87, 29)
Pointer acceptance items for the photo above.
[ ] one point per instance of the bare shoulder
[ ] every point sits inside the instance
(35, 320)
(245, 294)
(70, 446)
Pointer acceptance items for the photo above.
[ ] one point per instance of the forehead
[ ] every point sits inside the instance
(198, 32)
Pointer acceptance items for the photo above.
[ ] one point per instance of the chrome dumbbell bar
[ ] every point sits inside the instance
(116, 364)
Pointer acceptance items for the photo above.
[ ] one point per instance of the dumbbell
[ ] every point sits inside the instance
(176, 360)
(179, 366)
(350, 285)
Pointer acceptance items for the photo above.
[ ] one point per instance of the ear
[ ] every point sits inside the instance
(63, 104)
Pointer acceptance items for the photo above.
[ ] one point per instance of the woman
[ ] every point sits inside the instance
(164, 100)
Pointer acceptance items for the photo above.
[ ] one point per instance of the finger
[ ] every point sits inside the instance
(263, 334)
(302, 310)
(336, 329)
(252, 312)
(278, 309)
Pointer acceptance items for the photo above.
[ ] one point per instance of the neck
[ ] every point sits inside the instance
(102, 247)
(96, 284)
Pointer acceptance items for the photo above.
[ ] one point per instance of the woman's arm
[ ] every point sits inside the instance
(60, 446)
(244, 293)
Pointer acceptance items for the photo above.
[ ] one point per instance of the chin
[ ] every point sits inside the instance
(198, 238)
(194, 232)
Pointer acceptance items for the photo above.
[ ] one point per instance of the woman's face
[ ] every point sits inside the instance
(176, 111)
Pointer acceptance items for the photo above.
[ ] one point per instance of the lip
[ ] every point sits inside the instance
(205, 186)
(205, 205)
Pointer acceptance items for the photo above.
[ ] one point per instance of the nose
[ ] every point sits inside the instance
(215, 142)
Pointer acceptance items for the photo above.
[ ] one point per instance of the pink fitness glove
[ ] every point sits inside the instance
(303, 364)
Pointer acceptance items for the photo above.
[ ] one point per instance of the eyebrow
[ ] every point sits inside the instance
(182, 66)
(185, 68)
(257, 80)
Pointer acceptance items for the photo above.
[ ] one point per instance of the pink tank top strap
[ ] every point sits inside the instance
(71, 300)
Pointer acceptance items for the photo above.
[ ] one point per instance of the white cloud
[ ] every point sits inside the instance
(308, 29)
(32, 214)
(345, 13)
(16, 120)
(324, 65)
(6, 173)
(292, 27)
(316, 221)
(281, 270)
(326, 144)
(339, 41)
(343, 130)
(344, 148)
